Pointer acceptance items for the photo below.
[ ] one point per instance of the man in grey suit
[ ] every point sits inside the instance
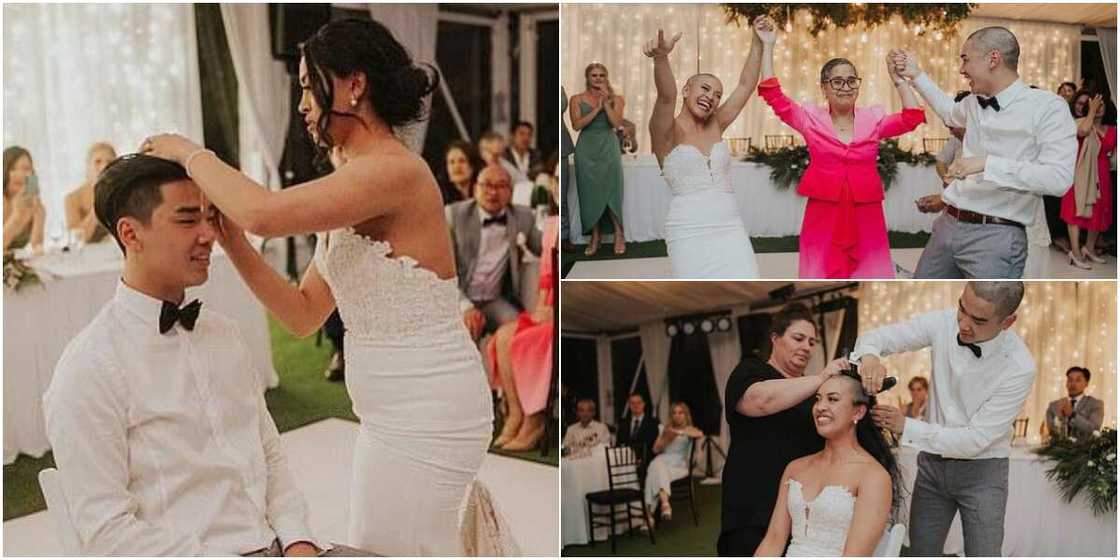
(1078, 414)
(490, 235)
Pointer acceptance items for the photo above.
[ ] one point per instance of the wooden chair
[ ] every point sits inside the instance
(624, 489)
(739, 146)
(1020, 428)
(775, 142)
(683, 488)
(933, 145)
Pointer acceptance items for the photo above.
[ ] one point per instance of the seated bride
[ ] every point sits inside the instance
(836, 502)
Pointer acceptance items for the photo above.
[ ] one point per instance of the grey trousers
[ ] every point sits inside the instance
(977, 488)
(962, 250)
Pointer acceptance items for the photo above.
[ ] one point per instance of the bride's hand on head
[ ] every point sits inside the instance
(659, 46)
(766, 30)
(169, 146)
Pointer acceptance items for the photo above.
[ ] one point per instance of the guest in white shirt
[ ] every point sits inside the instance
(521, 153)
(1019, 144)
(588, 432)
(158, 424)
(982, 373)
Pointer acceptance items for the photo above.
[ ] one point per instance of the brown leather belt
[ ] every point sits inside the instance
(978, 218)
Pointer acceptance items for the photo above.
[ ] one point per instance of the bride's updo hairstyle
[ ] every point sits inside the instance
(872, 440)
(395, 86)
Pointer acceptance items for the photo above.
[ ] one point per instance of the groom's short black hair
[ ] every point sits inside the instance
(130, 186)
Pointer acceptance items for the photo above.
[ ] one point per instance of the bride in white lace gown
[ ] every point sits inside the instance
(704, 231)
(413, 374)
(838, 501)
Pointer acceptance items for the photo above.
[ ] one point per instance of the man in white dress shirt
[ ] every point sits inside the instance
(588, 432)
(155, 414)
(982, 374)
(1019, 144)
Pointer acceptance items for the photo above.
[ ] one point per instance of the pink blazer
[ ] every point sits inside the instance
(832, 162)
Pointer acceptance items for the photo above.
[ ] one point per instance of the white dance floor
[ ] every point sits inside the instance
(775, 266)
(319, 456)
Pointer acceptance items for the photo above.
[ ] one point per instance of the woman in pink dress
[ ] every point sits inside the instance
(844, 232)
(521, 357)
(1096, 137)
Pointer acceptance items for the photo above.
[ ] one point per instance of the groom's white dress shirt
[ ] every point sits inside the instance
(163, 443)
(1031, 144)
(973, 402)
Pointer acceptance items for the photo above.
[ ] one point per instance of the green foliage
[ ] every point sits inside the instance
(1085, 464)
(788, 164)
(931, 17)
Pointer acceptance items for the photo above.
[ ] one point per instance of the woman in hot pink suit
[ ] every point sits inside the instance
(843, 233)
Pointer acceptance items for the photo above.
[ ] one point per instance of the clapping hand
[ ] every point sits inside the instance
(1096, 105)
(1065, 410)
(766, 30)
(659, 47)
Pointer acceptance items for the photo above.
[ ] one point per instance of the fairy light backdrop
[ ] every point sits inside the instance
(76, 74)
(1063, 324)
(614, 35)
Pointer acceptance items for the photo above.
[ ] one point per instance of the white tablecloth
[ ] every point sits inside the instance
(766, 211)
(578, 477)
(40, 320)
(1038, 522)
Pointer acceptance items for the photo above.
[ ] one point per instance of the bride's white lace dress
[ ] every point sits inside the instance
(418, 387)
(819, 527)
(704, 231)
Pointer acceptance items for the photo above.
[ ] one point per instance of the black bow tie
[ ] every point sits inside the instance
(976, 350)
(170, 313)
(986, 102)
(494, 220)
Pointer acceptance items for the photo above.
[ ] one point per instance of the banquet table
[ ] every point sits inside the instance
(578, 477)
(766, 211)
(39, 321)
(1038, 522)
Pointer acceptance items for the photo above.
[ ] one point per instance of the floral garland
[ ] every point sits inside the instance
(1087, 463)
(17, 273)
(927, 17)
(788, 164)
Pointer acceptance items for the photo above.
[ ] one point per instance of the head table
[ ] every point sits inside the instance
(40, 319)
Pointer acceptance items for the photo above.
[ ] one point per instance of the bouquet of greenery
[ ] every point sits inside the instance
(788, 164)
(17, 273)
(1087, 464)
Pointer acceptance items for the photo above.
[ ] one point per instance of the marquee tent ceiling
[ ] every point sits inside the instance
(614, 306)
(1092, 15)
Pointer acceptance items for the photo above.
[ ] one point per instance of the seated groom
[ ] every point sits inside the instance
(640, 430)
(155, 413)
(1079, 414)
(489, 236)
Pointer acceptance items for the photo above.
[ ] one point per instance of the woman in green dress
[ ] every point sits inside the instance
(23, 211)
(596, 112)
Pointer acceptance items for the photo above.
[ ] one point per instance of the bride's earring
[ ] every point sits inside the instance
(353, 102)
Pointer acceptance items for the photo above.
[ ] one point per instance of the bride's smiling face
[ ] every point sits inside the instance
(702, 94)
(836, 410)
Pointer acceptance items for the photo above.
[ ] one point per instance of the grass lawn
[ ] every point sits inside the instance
(302, 398)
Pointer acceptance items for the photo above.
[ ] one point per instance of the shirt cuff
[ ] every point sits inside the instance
(913, 431)
(923, 83)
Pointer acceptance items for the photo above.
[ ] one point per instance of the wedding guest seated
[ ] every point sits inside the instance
(1078, 414)
(24, 214)
(521, 358)
(462, 164)
(490, 236)
(492, 149)
(79, 203)
(671, 462)
(521, 153)
(587, 432)
(919, 394)
(639, 431)
(155, 414)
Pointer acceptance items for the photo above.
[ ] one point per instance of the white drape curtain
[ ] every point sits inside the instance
(415, 26)
(1062, 323)
(655, 353)
(262, 91)
(613, 34)
(606, 378)
(66, 86)
(1106, 37)
(726, 353)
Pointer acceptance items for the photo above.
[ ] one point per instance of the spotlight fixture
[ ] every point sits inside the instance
(688, 327)
(706, 326)
(723, 324)
(671, 330)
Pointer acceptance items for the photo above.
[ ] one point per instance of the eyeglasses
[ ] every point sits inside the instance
(838, 83)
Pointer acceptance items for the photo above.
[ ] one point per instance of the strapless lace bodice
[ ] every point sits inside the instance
(819, 527)
(687, 169)
(382, 298)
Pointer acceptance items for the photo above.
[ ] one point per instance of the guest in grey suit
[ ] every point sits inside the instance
(485, 232)
(1078, 414)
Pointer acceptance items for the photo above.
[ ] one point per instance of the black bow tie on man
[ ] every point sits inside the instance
(976, 350)
(986, 102)
(500, 219)
(170, 313)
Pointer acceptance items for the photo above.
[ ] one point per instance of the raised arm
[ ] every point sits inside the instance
(770, 89)
(911, 115)
(872, 511)
(748, 80)
(661, 121)
(951, 113)
(775, 395)
(777, 533)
